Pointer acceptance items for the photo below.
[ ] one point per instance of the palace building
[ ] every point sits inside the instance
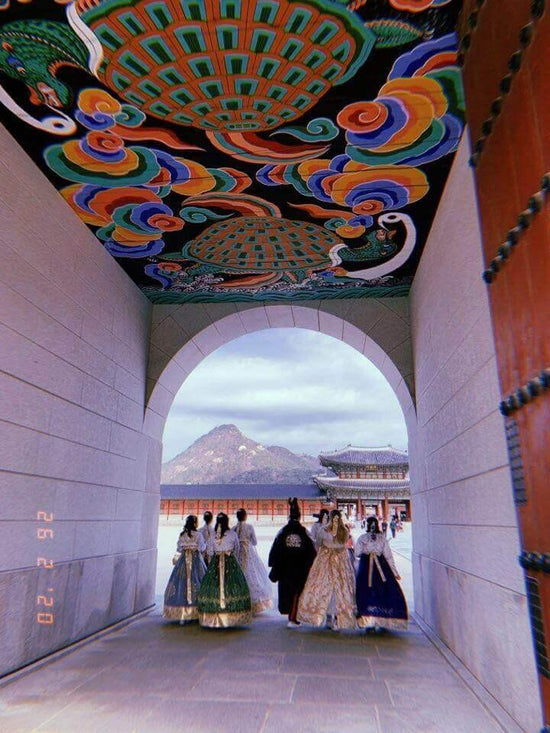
(367, 480)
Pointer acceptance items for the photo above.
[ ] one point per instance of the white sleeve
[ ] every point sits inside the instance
(201, 543)
(359, 547)
(389, 557)
(323, 538)
(237, 545)
(253, 540)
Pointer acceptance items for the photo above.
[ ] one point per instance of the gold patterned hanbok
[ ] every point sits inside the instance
(330, 585)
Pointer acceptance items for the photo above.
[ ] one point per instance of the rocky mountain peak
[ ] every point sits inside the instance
(226, 455)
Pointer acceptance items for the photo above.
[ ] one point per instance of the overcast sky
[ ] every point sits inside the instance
(300, 389)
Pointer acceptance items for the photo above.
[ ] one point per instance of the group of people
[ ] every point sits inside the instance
(395, 525)
(219, 578)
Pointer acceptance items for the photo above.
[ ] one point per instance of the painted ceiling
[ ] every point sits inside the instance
(241, 149)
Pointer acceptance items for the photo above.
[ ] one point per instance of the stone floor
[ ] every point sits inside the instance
(154, 677)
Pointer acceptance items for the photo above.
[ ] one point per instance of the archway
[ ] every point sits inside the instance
(377, 330)
(292, 387)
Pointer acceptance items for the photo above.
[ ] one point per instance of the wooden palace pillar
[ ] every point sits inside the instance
(505, 54)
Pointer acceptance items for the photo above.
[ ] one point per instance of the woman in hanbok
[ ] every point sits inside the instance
(322, 518)
(380, 600)
(224, 597)
(252, 567)
(207, 531)
(290, 559)
(180, 597)
(330, 587)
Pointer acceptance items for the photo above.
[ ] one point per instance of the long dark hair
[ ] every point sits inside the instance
(190, 524)
(207, 516)
(372, 527)
(222, 524)
(322, 514)
(339, 530)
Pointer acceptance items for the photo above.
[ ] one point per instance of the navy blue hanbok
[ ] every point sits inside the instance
(380, 600)
(180, 597)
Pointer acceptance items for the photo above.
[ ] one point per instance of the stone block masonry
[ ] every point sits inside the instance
(73, 457)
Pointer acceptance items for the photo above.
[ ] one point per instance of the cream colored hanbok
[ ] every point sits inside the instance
(330, 586)
(253, 568)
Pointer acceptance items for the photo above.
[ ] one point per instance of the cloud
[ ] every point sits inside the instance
(300, 389)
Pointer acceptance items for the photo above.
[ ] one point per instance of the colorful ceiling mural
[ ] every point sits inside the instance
(241, 149)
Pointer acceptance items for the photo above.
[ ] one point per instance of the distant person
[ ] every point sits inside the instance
(380, 600)
(253, 568)
(329, 592)
(290, 559)
(393, 527)
(207, 532)
(322, 518)
(384, 526)
(180, 597)
(224, 598)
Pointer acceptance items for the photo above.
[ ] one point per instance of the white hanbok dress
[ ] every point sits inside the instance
(253, 568)
(315, 533)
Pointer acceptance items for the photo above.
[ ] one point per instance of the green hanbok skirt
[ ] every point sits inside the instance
(224, 598)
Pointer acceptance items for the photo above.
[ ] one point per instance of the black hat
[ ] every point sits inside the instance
(294, 508)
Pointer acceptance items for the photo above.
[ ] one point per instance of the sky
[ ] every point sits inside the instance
(300, 389)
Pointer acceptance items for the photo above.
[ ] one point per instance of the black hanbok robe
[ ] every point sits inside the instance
(290, 559)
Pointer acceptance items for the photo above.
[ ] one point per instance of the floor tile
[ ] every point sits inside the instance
(307, 718)
(405, 720)
(331, 665)
(198, 717)
(225, 684)
(339, 690)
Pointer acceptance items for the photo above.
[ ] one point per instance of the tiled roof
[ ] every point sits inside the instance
(357, 456)
(361, 483)
(238, 491)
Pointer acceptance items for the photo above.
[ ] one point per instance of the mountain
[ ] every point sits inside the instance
(226, 456)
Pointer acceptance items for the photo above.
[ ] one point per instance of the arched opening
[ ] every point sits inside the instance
(180, 354)
(296, 389)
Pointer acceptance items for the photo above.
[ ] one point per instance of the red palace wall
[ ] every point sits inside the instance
(256, 508)
(506, 50)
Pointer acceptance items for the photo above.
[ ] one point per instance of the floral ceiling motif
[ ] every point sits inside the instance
(242, 149)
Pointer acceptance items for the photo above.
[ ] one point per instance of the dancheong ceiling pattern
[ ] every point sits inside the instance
(241, 149)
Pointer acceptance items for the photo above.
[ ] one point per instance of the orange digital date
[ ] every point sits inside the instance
(45, 618)
(43, 533)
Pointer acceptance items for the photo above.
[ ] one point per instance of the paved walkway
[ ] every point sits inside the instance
(155, 677)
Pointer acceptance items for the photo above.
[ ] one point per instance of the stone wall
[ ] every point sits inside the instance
(468, 585)
(74, 334)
